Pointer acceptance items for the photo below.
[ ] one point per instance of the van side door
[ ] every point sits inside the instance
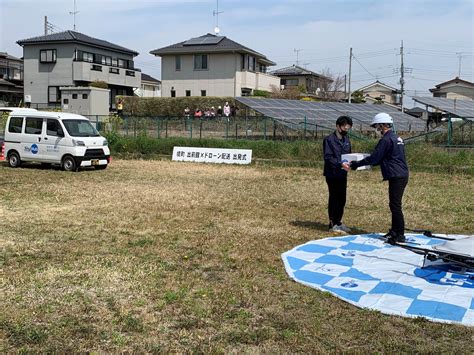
(31, 148)
(52, 141)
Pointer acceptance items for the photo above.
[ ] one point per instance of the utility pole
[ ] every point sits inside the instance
(46, 25)
(74, 13)
(402, 80)
(350, 68)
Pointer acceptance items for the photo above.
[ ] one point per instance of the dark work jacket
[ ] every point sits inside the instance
(390, 154)
(333, 148)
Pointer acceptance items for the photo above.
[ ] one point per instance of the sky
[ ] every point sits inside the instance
(437, 35)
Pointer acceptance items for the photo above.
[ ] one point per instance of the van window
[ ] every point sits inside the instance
(33, 125)
(80, 128)
(15, 124)
(53, 128)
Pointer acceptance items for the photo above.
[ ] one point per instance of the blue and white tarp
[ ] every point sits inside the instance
(368, 273)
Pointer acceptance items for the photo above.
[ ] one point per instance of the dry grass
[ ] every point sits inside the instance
(156, 256)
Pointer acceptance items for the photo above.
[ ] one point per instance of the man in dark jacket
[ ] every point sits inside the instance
(390, 155)
(335, 171)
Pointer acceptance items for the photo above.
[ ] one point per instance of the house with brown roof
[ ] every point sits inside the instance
(454, 89)
(212, 65)
(380, 92)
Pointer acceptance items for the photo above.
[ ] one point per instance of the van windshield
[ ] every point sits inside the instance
(80, 128)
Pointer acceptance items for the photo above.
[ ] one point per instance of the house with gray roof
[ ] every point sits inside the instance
(150, 87)
(212, 65)
(71, 58)
(295, 76)
(11, 80)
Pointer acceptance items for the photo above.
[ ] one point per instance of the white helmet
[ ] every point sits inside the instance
(381, 118)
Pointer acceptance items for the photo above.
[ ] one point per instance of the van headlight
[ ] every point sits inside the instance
(105, 144)
(78, 143)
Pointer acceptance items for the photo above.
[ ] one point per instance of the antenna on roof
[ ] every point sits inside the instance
(216, 14)
(297, 51)
(74, 13)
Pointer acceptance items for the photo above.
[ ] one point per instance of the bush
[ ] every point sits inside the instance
(99, 84)
(172, 106)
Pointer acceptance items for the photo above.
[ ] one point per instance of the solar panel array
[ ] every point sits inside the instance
(203, 40)
(459, 108)
(324, 114)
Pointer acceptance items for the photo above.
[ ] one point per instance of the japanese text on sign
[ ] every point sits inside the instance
(212, 155)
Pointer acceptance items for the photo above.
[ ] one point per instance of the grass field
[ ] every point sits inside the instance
(157, 256)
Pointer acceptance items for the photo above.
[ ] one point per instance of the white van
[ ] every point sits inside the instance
(66, 139)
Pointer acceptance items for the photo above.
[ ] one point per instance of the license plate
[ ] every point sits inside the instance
(95, 162)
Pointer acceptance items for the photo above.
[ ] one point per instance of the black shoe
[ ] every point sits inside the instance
(396, 238)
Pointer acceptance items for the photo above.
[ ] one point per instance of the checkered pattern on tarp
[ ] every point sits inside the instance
(368, 273)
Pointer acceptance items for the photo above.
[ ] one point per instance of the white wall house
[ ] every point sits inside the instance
(213, 65)
(150, 87)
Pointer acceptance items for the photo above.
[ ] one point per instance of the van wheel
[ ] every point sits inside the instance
(101, 167)
(69, 164)
(14, 160)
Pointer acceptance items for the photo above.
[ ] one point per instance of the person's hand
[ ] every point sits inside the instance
(354, 165)
(346, 166)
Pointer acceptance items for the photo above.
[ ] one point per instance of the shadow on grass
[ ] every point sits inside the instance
(323, 227)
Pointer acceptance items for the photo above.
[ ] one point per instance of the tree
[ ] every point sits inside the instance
(331, 85)
(357, 97)
(291, 93)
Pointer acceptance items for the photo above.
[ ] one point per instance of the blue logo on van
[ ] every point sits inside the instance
(34, 149)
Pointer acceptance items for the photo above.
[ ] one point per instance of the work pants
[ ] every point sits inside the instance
(337, 199)
(396, 188)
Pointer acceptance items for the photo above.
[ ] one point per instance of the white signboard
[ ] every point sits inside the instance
(356, 157)
(212, 155)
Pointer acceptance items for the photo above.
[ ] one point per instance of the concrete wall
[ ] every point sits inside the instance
(96, 102)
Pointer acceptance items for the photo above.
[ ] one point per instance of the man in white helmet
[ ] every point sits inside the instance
(390, 155)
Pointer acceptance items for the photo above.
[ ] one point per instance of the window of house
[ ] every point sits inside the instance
(48, 56)
(130, 64)
(74, 96)
(87, 57)
(203, 92)
(96, 67)
(15, 125)
(84, 96)
(33, 125)
(188, 92)
(200, 62)
(65, 101)
(291, 82)
(173, 93)
(53, 128)
(114, 62)
(382, 96)
(177, 61)
(54, 95)
(121, 63)
(106, 60)
(114, 70)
